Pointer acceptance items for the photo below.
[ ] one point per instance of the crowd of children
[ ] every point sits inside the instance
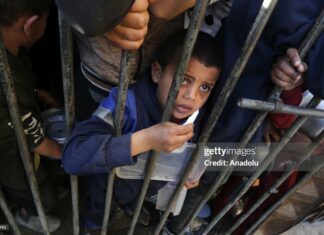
(156, 27)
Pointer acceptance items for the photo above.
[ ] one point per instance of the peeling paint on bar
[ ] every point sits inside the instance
(66, 46)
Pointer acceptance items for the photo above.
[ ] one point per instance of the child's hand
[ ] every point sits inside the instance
(191, 184)
(271, 134)
(129, 33)
(288, 72)
(167, 136)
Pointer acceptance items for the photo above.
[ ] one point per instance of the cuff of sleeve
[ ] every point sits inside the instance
(122, 156)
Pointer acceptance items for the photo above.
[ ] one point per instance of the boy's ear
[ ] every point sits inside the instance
(156, 71)
(29, 23)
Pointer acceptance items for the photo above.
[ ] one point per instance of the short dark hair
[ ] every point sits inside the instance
(11, 10)
(206, 50)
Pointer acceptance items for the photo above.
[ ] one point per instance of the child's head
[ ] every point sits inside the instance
(24, 20)
(200, 77)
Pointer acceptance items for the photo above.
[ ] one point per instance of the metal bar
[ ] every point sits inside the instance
(66, 48)
(304, 214)
(191, 37)
(225, 173)
(271, 156)
(287, 194)
(249, 45)
(9, 91)
(279, 107)
(118, 125)
(278, 182)
(4, 207)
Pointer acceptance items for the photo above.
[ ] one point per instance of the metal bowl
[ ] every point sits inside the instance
(54, 124)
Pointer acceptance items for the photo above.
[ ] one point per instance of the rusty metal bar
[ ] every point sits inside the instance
(270, 157)
(189, 43)
(9, 91)
(118, 125)
(278, 182)
(250, 43)
(66, 47)
(191, 37)
(4, 207)
(275, 93)
(279, 107)
(287, 194)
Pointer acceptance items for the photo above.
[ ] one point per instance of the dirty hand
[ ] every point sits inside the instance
(271, 134)
(191, 184)
(288, 71)
(130, 32)
(167, 136)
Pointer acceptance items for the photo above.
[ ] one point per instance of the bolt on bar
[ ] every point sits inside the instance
(8, 90)
(118, 125)
(279, 107)
(225, 174)
(191, 36)
(269, 158)
(66, 47)
(4, 207)
(249, 45)
(287, 194)
(278, 182)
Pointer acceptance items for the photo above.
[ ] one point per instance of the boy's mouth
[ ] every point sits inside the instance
(182, 108)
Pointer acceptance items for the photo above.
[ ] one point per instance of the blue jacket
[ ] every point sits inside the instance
(93, 150)
(288, 25)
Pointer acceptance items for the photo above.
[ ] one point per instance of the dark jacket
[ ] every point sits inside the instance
(93, 150)
(287, 27)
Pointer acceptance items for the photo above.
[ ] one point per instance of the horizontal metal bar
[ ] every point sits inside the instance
(9, 91)
(279, 107)
(287, 194)
(118, 125)
(66, 48)
(309, 40)
(278, 182)
(271, 156)
(4, 207)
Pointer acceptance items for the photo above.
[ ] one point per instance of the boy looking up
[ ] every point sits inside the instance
(22, 23)
(94, 150)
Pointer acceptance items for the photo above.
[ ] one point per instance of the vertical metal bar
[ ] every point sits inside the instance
(7, 212)
(191, 36)
(271, 156)
(66, 45)
(8, 90)
(118, 123)
(287, 194)
(225, 174)
(278, 182)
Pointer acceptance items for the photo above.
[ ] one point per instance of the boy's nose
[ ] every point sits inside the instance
(190, 94)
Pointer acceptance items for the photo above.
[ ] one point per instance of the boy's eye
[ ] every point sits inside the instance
(205, 88)
(185, 81)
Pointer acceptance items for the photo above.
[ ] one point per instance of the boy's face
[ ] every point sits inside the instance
(195, 88)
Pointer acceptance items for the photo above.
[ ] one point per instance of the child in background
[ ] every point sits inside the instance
(22, 23)
(93, 149)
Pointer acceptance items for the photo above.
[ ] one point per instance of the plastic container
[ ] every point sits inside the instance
(164, 196)
(169, 166)
(54, 124)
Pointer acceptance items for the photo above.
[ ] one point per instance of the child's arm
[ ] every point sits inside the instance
(49, 148)
(163, 137)
(168, 9)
